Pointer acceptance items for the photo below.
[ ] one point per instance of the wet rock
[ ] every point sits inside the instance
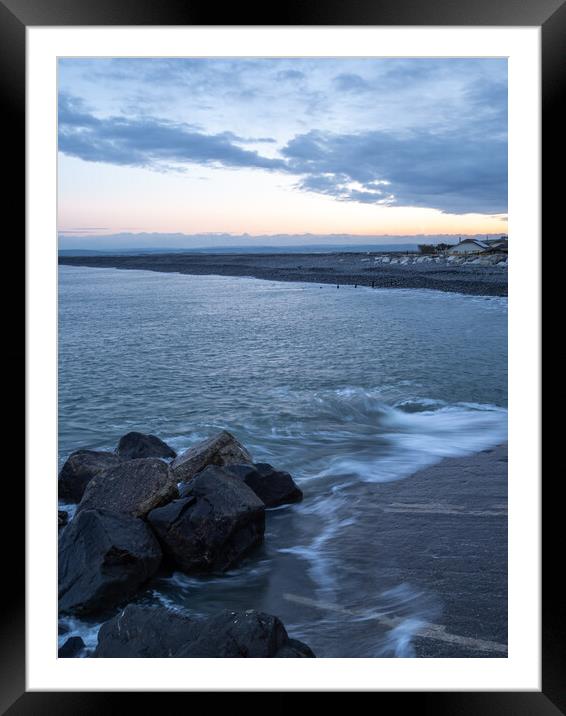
(295, 649)
(146, 632)
(104, 557)
(134, 487)
(220, 449)
(247, 634)
(72, 647)
(215, 522)
(273, 487)
(80, 468)
(136, 445)
(62, 518)
(156, 632)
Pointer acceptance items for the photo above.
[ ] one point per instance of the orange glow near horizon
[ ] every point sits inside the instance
(255, 203)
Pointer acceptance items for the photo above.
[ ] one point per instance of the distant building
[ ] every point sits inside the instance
(498, 244)
(469, 246)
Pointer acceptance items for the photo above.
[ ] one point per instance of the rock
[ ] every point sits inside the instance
(157, 632)
(135, 445)
(134, 487)
(247, 634)
(295, 649)
(216, 521)
(71, 647)
(62, 518)
(80, 468)
(220, 449)
(104, 557)
(273, 487)
(146, 632)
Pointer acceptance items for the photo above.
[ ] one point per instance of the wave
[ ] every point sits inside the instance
(86, 629)
(363, 434)
(358, 433)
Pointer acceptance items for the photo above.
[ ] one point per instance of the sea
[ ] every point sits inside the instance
(344, 388)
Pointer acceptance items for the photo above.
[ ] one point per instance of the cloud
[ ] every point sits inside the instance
(458, 165)
(452, 172)
(246, 140)
(293, 75)
(348, 82)
(150, 142)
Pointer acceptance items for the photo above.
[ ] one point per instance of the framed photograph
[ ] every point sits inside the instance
(283, 353)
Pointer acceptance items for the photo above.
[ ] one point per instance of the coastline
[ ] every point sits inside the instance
(400, 568)
(442, 531)
(350, 269)
(446, 527)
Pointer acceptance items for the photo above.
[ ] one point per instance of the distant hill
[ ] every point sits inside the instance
(127, 243)
(304, 249)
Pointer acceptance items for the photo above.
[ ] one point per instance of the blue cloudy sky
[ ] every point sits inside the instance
(283, 146)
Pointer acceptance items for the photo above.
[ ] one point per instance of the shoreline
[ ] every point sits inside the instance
(447, 526)
(349, 269)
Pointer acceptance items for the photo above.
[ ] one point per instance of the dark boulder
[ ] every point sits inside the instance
(80, 468)
(247, 634)
(216, 521)
(104, 557)
(156, 632)
(134, 487)
(62, 518)
(146, 632)
(295, 649)
(135, 445)
(73, 646)
(220, 449)
(273, 487)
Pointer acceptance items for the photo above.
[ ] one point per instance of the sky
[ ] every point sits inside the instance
(318, 146)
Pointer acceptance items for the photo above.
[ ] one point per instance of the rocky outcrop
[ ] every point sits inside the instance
(204, 511)
(80, 468)
(220, 449)
(72, 647)
(137, 445)
(146, 632)
(295, 649)
(134, 487)
(154, 632)
(248, 634)
(272, 486)
(215, 522)
(104, 557)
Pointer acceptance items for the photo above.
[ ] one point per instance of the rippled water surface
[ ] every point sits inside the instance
(344, 388)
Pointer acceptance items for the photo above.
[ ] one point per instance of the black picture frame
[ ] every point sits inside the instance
(15, 17)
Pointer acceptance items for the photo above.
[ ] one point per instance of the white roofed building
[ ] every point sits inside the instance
(469, 246)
